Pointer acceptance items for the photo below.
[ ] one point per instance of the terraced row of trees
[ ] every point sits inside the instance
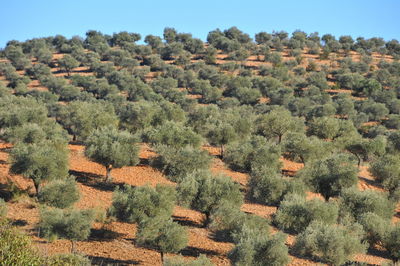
(257, 101)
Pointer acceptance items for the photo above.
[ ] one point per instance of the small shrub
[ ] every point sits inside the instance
(68, 260)
(202, 260)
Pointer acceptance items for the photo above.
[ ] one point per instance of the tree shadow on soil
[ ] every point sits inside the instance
(6, 149)
(195, 252)
(94, 180)
(103, 234)
(96, 260)
(185, 222)
(370, 182)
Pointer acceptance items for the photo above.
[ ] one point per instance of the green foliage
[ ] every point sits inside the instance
(16, 248)
(177, 163)
(330, 128)
(392, 242)
(295, 213)
(136, 204)
(173, 134)
(17, 111)
(334, 244)
(253, 153)
(297, 146)
(357, 202)
(204, 192)
(112, 148)
(68, 63)
(228, 222)
(162, 234)
(268, 187)
(202, 260)
(40, 162)
(331, 175)
(69, 224)
(278, 122)
(34, 133)
(375, 227)
(60, 193)
(259, 249)
(386, 170)
(81, 118)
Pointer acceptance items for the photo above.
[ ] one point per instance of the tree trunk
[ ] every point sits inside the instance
(359, 161)
(222, 151)
(279, 138)
(72, 246)
(207, 220)
(162, 257)
(108, 173)
(37, 187)
(302, 160)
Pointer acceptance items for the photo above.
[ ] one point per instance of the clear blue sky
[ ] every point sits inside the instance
(21, 20)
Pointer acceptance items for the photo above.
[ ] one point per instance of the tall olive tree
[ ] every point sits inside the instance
(112, 149)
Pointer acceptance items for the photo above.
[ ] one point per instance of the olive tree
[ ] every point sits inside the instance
(267, 186)
(68, 63)
(60, 193)
(71, 224)
(203, 192)
(163, 235)
(222, 134)
(252, 153)
(40, 162)
(259, 249)
(392, 242)
(278, 122)
(80, 118)
(112, 149)
(136, 204)
(386, 170)
(331, 175)
(332, 243)
(173, 134)
(295, 213)
(176, 163)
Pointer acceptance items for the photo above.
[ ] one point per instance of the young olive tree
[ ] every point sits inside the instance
(204, 192)
(163, 235)
(68, 63)
(278, 122)
(178, 163)
(73, 225)
(112, 149)
(334, 244)
(331, 175)
(40, 162)
(295, 213)
(259, 249)
(60, 193)
(136, 204)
